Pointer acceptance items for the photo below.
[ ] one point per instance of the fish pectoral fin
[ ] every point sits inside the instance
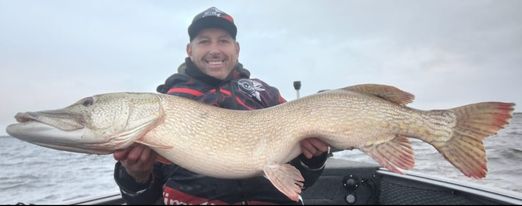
(286, 178)
(154, 145)
(386, 92)
(393, 154)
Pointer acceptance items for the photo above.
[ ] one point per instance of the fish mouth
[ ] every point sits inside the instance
(61, 120)
(53, 129)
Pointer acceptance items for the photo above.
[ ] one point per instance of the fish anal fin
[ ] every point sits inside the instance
(393, 155)
(286, 178)
(386, 92)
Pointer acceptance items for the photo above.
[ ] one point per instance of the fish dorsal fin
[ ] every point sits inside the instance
(386, 92)
(393, 154)
(286, 178)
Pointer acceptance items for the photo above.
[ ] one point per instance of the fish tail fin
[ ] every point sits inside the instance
(474, 122)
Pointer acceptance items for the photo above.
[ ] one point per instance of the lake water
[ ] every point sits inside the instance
(33, 174)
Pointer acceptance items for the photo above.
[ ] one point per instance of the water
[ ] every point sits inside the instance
(33, 174)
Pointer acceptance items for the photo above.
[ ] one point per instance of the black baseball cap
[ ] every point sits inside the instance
(212, 18)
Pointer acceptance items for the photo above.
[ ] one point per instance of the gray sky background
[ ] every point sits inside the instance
(448, 53)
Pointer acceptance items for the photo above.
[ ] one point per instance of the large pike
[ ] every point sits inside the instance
(237, 144)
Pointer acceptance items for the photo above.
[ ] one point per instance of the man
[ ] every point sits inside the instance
(211, 74)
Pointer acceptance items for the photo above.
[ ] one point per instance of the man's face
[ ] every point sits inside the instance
(214, 52)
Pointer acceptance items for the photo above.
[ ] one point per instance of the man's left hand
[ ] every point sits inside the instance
(313, 147)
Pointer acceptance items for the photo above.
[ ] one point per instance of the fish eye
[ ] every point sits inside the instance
(88, 101)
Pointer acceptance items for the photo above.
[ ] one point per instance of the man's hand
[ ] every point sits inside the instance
(313, 147)
(138, 160)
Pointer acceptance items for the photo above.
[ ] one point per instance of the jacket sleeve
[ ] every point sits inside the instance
(135, 193)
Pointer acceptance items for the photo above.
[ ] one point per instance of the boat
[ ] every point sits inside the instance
(346, 182)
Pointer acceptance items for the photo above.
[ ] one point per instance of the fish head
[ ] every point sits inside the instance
(98, 124)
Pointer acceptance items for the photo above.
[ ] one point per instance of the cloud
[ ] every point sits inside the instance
(448, 53)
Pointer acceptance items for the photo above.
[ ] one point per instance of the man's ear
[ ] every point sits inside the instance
(237, 48)
(189, 49)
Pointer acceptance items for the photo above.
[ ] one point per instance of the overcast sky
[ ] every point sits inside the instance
(447, 53)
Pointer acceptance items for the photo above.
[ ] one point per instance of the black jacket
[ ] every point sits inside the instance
(172, 184)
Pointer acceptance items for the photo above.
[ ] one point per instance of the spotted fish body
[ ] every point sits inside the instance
(237, 144)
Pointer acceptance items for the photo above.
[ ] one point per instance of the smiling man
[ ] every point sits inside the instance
(214, 52)
(211, 74)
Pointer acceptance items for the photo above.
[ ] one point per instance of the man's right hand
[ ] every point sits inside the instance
(138, 160)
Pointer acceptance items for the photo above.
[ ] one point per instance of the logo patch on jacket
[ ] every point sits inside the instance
(251, 87)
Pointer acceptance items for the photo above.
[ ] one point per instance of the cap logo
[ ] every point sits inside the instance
(212, 12)
(217, 13)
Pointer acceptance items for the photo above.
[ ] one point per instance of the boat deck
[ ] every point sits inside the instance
(349, 182)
